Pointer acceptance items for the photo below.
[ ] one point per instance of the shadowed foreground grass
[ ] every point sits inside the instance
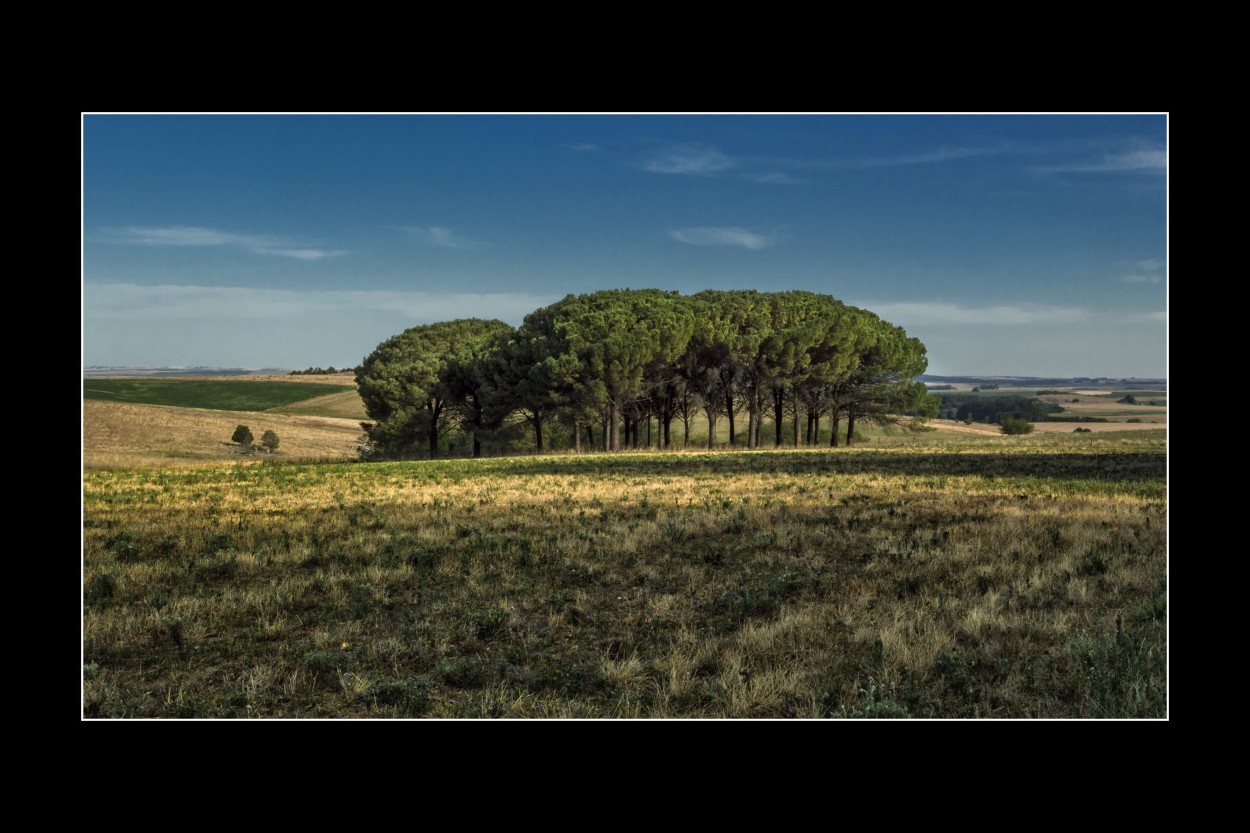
(958, 581)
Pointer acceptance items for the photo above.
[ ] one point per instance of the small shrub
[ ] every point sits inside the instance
(99, 588)
(1081, 430)
(242, 435)
(489, 622)
(269, 440)
(1133, 419)
(169, 630)
(125, 547)
(1011, 425)
(409, 696)
(465, 672)
(322, 667)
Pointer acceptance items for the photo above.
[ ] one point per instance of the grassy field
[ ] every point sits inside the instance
(217, 394)
(119, 435)
(930, 576)
(346, 404)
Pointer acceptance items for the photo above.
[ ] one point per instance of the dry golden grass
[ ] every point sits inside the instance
(345, 405)
(1101, 427)
(117, 434)
(1101, 406)
(953, 426)
(345, 379)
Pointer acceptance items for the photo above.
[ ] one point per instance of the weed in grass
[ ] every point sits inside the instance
(408, 697)
(170, 630)
(99, 588)
(321, 666)
(125, 546)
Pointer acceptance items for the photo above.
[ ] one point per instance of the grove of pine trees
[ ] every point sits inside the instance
(604, 364)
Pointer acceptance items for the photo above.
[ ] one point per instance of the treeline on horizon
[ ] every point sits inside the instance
(614, 360)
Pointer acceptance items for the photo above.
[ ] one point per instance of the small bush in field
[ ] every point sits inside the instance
(269, 440)
(1011, 425)
(242, 435)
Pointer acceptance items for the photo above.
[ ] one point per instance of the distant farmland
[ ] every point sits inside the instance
(218, 394)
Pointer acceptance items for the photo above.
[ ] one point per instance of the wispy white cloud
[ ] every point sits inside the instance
(688, 159)
(1140, 160)
(181, 236)
(299, 254)
(731, 236)
(125, 301)
(926, 157)
(775, 178)
(440, 236)
(945, 314)
(261, 244)
(1143, 271)
(695, 158)
(1148, 317)
(942, 154)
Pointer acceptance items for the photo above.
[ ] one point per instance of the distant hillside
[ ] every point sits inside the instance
(104, 372)
(1046, 381)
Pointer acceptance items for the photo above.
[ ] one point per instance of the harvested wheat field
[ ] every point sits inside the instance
(120, 434)
(1097, 427)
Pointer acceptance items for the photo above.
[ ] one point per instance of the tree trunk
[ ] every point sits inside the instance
(729, 411)
(436, 409)
(477, 446)
(665, 438)
(614, 426)
(538, 432)
(809, 426)
(648, 432)
(779, 406)
(577, 436)
(850, 428)
(794, 400)
(686, 425)
(590, 436)
(711, 428)
(833, 441)
(756, 420)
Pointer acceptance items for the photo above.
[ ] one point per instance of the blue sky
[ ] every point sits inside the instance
(1013, 245)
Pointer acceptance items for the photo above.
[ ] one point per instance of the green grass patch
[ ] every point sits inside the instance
(218, 394)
